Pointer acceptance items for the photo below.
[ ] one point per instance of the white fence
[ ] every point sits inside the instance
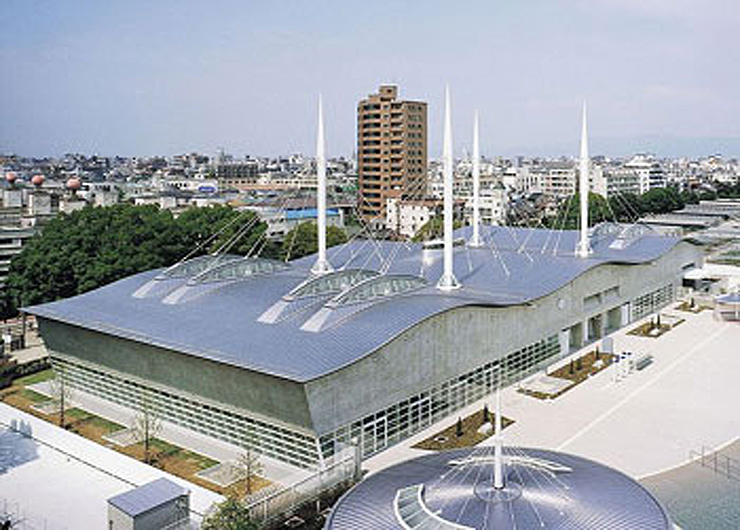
(21, 519)
(343, 470)
(716, 461)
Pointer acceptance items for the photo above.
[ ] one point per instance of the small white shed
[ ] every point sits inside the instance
(152, 506)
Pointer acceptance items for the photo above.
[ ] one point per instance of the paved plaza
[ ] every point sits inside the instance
(646, 423)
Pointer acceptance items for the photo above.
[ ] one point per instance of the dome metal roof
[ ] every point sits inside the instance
(543, 489)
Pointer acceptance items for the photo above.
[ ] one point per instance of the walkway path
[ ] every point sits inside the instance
(646, 423)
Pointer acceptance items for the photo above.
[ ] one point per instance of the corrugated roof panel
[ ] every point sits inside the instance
(144, 498)
(516, 266)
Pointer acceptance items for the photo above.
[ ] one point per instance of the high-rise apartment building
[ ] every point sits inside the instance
(391, 151)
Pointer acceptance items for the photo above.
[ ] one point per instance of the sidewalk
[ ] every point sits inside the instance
(642, 425)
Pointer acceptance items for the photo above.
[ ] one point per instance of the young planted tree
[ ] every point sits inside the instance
(146, 424)
(486, 414)
(61, 391)
(248, 469)
(459, 428)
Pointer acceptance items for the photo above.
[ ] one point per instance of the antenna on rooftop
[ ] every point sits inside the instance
(583, 249)
(475, 241)
(498, 449)
(447, 281)
(322, 265)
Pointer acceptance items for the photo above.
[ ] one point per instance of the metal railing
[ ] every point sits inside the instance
(20, 519)
(286, 500)
(721, 464)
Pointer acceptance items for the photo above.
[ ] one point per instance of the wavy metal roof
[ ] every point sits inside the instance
(221, 320)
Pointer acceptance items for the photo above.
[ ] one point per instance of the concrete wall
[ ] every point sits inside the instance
(435, 350)
(163, 515)
(155, 519)
(263, 395)
(460, 340)
(117, 520)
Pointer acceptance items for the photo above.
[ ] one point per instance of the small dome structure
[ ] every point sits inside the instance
(74, 184)
(455, 490)
(11, 177)
(38, 180)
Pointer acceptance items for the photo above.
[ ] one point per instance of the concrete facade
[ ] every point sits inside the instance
(260, 394)
(458, 341)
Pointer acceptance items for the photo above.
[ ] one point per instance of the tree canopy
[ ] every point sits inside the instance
(230, 514)
(623, 207)
(661, 200)
(303, 239)
(433, 229)
(86, 249)
(568, 214)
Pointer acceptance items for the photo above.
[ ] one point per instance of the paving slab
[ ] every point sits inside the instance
(640, 424)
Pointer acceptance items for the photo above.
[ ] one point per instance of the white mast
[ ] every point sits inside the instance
(584, 249)
(322, 265)
(447, 281)
(475, 241)
(498, 461)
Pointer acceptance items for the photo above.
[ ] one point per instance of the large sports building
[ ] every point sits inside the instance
(259, 352)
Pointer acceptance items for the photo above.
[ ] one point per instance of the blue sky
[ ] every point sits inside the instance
(163, 77)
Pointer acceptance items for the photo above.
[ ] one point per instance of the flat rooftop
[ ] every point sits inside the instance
(57, 479)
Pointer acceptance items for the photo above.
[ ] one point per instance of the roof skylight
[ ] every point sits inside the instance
(193, 266)
(381, 286)
(332, 283)
(239, 269)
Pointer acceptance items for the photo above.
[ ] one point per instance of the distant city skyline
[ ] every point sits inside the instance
(164, 78)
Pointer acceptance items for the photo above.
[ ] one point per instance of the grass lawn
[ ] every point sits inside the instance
(32, 396)
(38, 377)
(20, 397)
(180, 462)
(448, 438)
(78, 414)
(90, 426)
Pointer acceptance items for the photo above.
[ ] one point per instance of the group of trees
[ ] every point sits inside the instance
(628, 207)
(433, 229)
(86, 249)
